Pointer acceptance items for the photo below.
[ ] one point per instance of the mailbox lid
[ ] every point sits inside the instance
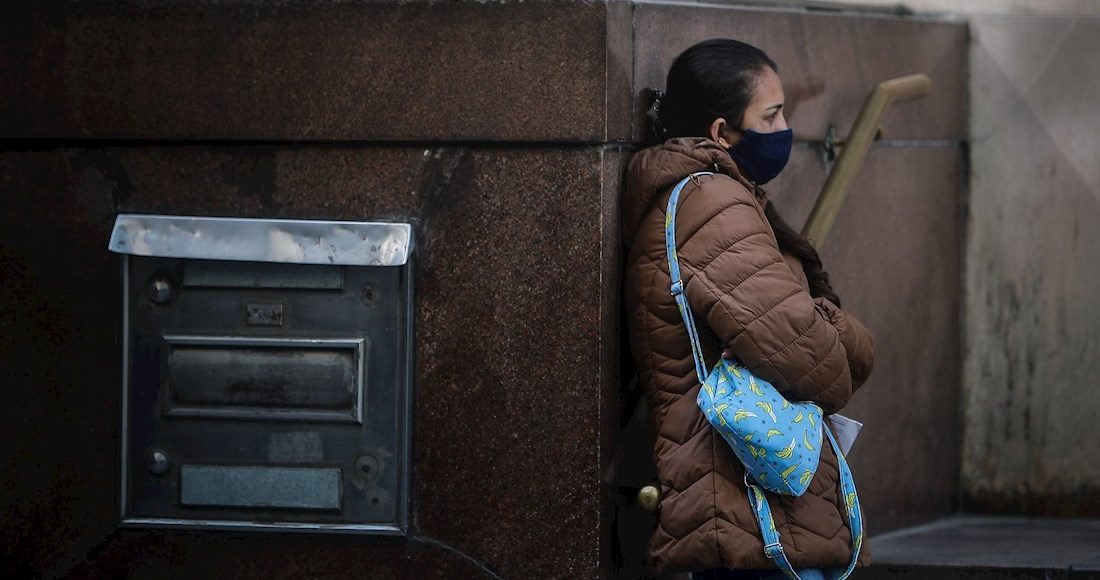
(263, 240)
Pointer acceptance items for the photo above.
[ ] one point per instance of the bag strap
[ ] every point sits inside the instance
(774, 550)
(674, 272)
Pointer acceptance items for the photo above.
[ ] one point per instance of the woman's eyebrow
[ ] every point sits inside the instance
(776, 107)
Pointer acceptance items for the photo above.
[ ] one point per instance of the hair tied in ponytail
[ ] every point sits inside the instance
(655, 131)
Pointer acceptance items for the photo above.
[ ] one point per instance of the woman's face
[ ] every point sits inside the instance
(763, 115)
(765, 111)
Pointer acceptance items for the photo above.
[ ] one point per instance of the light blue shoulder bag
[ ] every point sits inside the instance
(779, 442)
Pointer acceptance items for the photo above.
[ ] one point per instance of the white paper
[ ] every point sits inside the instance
(845, 430)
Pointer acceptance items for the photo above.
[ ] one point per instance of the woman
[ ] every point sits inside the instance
(760, 295)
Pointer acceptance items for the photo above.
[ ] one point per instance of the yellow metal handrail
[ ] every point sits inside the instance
(855, 150)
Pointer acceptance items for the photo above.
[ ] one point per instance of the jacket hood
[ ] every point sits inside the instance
(656, 169)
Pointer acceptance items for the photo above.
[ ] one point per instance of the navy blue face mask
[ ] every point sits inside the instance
(761, 156)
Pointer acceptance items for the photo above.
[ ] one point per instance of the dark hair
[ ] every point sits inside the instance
(714, 79)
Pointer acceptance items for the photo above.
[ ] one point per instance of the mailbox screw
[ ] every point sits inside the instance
(160, 290)
(369, 296)
(367, 466)
(158, 462)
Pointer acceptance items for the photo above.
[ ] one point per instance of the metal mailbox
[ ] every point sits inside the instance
(266, 370)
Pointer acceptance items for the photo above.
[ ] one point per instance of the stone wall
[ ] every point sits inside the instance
(501, 129)
(1031, 332)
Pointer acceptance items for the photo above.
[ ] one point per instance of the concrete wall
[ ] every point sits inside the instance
(1032, 330)
(1033, 266)
(955, 7)
(1028, 7)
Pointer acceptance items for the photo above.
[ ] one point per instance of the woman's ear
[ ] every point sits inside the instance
(715, 132)
(721, 133)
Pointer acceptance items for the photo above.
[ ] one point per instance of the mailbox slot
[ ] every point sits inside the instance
(265, 379)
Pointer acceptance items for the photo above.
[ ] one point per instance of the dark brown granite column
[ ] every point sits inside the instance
(491, 126)
(511, 345)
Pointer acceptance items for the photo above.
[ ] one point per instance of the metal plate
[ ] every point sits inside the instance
(300, 488)
(263, 240)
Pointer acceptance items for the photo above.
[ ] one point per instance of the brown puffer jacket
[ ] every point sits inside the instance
(749, 297)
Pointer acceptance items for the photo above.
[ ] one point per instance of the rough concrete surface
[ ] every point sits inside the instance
(1032, 273)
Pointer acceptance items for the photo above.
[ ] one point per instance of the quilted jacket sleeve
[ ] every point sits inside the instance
(736, 280)
(859, 343)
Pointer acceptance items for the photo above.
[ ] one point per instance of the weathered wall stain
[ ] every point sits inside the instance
(1032, 270)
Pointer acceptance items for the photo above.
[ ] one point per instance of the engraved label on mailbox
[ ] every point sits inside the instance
(262, 314)
(305, 488)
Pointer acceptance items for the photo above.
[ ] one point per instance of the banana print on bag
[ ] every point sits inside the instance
(742, 414)
(787, 472)
(718, 411)
(805, 477)
(754, 388)
(767, 408)
(787, 451)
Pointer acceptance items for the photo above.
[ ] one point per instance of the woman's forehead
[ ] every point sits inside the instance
(768, 90)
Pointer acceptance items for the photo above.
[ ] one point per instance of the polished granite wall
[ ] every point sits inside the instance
(502, 130)
(511, 356)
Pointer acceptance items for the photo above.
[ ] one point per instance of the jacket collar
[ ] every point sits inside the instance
(656, 169)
